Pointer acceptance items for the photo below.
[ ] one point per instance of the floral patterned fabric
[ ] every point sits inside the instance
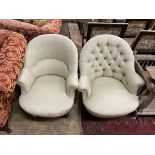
(29, 30)
(12, 48)
(39, 22)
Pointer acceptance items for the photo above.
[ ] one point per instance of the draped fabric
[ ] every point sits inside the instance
(48, 26)
(12, 49)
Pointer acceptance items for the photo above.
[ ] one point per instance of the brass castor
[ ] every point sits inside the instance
(8, 130)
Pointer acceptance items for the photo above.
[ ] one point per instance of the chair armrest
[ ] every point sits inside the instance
(145, 76)
(26, 80)
(134, 81)
(84, 85)
(72, 83)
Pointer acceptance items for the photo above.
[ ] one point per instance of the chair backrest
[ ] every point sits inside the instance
(105, 20)
(153, 25)
(144, 42)
(106, 55)
(98, 28)
(51, 54)
(136, 25)
(144, 48)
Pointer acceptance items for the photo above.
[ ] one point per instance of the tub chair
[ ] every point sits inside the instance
(31, 30)
(49, 76)
(12, 49)
(108, 80)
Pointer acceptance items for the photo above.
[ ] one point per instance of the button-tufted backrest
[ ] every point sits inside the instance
(106, 55)
(51, 54)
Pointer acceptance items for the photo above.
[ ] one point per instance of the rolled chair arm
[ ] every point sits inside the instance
(72, 83)
(84, 85)
(134, 81)
(26, 80)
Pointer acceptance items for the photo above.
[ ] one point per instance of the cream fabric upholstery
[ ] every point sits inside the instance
(49, 77)
(111, 57)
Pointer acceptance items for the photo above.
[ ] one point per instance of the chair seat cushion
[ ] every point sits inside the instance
(47, 97)
(110, 98)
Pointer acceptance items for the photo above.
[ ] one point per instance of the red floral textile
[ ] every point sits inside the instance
(126, 125)
(12, 48)
(29, 30)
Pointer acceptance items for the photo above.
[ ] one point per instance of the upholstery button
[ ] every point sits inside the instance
(119, 66)
(96, 58)
(110, 52)
(101, 51)
(92, 52)
(125, 60)
(123, 74)
(108, 44)
(98, 44)
(113, 70)
(118, 45)
(105, 57)
(89, 60)
(114, 58)
(121, 53)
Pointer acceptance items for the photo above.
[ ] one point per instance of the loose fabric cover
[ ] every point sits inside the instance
(39, 22)
(50, 68)
(108, 56)
(30, 31)
(12, 49)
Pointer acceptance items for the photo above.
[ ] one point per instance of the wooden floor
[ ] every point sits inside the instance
(23, 124)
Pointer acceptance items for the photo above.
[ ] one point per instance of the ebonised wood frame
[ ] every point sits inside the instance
(141, 34)
(101, 25)
(148, 22)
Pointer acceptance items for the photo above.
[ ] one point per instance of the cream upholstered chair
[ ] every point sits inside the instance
(49, 77)
(108, 80)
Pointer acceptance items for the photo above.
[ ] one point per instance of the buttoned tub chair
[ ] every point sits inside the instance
(108, 80)
(12, 51)
(49, 76)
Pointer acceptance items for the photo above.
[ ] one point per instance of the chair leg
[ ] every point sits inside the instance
(66, 116)
(134, 115)
(6, 129)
